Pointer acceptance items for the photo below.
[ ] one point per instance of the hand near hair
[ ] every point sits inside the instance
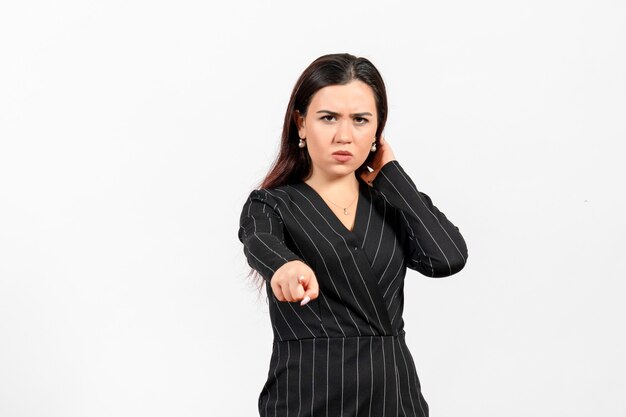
(295, 281)
(383, 154)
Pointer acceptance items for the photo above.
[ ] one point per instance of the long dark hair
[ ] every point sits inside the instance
(293, 164)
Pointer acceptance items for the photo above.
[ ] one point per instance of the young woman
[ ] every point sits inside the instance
(332, 242)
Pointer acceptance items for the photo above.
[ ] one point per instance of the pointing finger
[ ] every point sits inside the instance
(312, 290)
(296, 289)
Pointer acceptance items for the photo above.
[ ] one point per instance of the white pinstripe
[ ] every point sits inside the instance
(395, 369)
(371, 377)
(417, 265)
(419, 402)
(268, 400)
(369, 216)
(327, 362)
(382, 231)
(382, 345)
(313, 378)
(401, 268)
(408, 377)
(287, 384)
(300, 379)
(382, 275)
(342, 379)
(276, 378)
(398, 304)
(267, 246)
(300, 318)
(393, 297)
(278, 333)
(358, 347)
(285, 319)
(261, 262)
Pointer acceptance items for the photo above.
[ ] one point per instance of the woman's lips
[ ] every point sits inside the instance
(342, 157)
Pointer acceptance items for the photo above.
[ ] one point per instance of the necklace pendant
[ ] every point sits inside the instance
(345, 211)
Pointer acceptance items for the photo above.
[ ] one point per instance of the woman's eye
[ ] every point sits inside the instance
(360, 120)
(328, 117)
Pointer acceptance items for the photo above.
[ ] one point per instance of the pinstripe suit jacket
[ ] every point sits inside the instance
(344, 353)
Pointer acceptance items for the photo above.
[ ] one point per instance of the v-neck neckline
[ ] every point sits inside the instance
(329, 213)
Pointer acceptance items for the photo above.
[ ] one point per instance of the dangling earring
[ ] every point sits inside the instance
(302, 143)
(374, 146)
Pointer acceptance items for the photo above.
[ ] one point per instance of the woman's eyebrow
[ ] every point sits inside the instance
(333, 113)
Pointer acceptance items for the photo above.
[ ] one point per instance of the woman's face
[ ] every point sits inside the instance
(339, 118)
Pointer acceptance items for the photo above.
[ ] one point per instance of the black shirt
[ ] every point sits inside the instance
(344, 353)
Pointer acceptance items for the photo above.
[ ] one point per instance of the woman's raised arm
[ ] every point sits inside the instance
(435, 246)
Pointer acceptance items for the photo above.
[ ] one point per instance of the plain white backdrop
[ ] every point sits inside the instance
(131, 133)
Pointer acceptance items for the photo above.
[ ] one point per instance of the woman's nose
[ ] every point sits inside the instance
(344, 133)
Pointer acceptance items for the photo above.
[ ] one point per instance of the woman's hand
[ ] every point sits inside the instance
(383, 155)
(295, 281)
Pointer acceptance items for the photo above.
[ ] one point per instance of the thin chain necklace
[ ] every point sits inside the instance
(345, 209)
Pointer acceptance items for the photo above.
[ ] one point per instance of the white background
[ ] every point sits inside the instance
(131, 133)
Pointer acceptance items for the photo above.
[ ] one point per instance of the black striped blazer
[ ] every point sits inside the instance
(344, 353)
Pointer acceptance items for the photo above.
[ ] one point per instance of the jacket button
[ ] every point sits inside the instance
(356, 248)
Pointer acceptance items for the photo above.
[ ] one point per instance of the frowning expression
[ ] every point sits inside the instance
(339, 118)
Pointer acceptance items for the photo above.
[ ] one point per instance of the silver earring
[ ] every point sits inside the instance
(302, 143)
(374, 146)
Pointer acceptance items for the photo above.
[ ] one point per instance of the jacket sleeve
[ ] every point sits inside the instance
(434, 245)
(261, 232)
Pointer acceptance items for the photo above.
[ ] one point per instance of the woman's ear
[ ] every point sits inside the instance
(299, 120)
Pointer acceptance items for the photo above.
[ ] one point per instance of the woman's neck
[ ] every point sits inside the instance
(340, 189)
